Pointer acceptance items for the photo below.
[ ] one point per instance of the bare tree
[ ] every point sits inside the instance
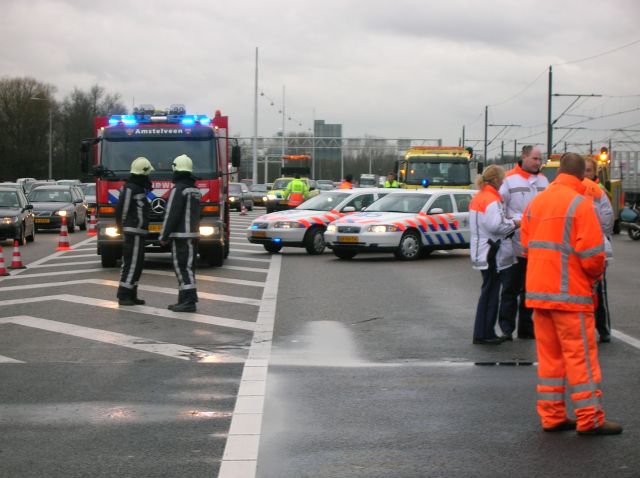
(24, 126)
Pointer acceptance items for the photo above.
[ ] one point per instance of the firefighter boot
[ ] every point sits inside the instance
(186, 301)
(135, 297)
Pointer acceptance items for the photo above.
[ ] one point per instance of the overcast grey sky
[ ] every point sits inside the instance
(405, 68)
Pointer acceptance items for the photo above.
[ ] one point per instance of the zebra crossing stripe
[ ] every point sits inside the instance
(4, 359)
(180, 352)
(140, 309)
(150, 288)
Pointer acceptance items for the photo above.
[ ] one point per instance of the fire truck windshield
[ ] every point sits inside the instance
(438, 172)
(117, 155)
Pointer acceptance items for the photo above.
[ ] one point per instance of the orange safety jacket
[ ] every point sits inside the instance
(562, 239)
(346, 185)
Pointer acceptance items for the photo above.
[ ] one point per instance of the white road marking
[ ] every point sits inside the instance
(246, 269)
(627, 339)
(48, 274)
(252, 259)
(176, 351)
(63, 264)
(4, 359)
(240, 456)
(200, 277)
(141, 309)
(69, 256)
(17, 272)
(150, 288)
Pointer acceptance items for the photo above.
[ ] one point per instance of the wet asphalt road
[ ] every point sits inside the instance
(372, 373)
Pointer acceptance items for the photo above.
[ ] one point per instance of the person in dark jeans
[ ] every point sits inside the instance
(491, 250)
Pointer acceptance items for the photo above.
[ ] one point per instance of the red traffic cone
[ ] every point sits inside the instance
(92, 225)
(16, 261)
(3, 269)
(63, 241)
(243, 209)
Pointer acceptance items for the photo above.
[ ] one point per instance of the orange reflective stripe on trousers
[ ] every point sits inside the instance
(567, 357)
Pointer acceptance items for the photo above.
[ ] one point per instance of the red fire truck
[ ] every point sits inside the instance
(160, 136)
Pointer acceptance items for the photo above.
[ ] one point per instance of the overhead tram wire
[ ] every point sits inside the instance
(599, 54)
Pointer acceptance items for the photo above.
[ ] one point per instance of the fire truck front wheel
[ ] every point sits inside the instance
(212, 255)
(109, 256)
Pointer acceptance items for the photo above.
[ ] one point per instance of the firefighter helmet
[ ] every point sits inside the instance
(183, 163)
(141, 166)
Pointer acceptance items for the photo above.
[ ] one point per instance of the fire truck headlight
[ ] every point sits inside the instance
(208, 230)
(111, 231)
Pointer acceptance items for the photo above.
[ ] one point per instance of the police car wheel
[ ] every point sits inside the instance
(344, 254)
(409, 247)
(272, 248)
(314, 241)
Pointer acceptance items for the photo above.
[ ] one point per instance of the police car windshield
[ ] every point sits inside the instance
(324, 201)
(409, 203)
(117, 155)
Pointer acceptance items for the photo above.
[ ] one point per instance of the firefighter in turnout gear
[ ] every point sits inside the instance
(562, 239)
(132, 219)
(181, 229)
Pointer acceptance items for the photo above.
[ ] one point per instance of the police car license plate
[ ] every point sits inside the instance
(349, 239)
(155, 227)
(42, 221)
(259, 233)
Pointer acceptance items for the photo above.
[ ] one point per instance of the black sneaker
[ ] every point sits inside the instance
(128, 301)
(605, 338)
(139, 301)
(491, 341)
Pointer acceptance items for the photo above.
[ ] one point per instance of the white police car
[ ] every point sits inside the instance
(409, 223)
(304, 226)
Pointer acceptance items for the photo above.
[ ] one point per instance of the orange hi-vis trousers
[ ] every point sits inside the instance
(567, 356)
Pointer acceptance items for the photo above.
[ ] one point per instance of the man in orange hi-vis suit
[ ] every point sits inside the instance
(562, 239)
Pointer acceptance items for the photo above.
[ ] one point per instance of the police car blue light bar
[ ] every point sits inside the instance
(188, 120)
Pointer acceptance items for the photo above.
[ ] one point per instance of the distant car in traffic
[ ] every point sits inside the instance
(89, 191)
(259, 194)
(325, 184)
(16, 216)
(304, 225)
(239, 196)
(409, 223)
(67, 182)
(51, 203)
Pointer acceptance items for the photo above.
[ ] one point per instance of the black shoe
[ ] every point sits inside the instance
(605, 338)
(568, 424)
(526, 336)
(183, 307)
(139, 301)
(127, 301)
(491, 341)
(607, 428)
(506, 337)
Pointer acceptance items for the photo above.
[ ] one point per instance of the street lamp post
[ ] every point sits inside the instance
(35, 98)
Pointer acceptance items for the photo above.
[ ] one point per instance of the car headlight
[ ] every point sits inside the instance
(264, 198)
(232, 199)
(387, 228)
(9, 219)
(287, 225)
(271, 197)
(61, 213)
(111, 231)
(331, 228)
(208, 230)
